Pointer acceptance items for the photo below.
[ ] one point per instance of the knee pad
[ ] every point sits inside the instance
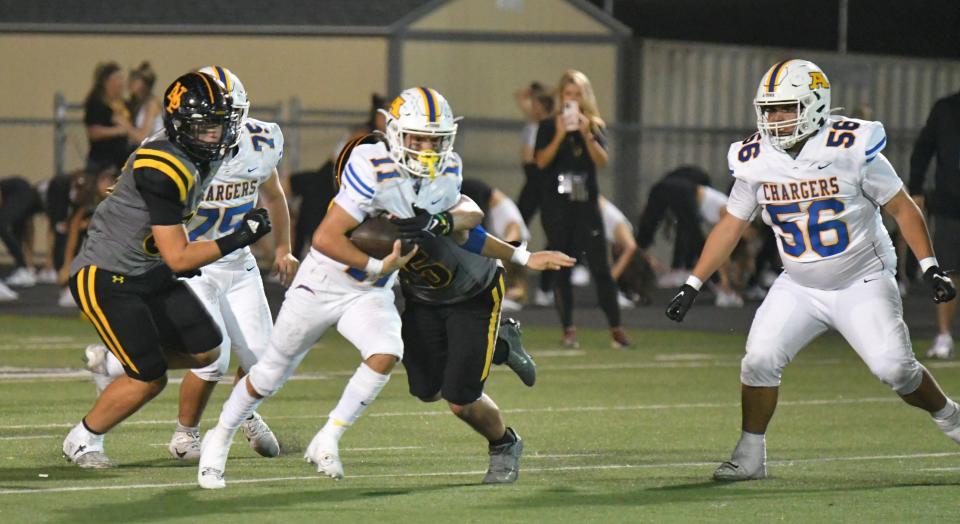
(214, 371)
(762, 369)
(902, 376)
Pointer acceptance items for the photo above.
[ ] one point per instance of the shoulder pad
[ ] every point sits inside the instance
(160, 162)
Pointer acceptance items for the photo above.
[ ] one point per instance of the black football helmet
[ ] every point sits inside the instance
(198, 115)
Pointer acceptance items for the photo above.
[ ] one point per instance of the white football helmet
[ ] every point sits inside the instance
(420, 111)
(793, 82)
(232, 84)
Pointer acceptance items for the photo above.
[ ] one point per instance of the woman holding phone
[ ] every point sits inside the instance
(570, 147)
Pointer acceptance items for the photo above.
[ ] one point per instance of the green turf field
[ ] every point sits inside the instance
(611, 436)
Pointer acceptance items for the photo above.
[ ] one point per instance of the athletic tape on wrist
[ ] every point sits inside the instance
(927, 263)
(374, 267)
(520, 255)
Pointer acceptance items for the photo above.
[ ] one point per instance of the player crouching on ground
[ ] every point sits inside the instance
(819, 182)
(123, 278)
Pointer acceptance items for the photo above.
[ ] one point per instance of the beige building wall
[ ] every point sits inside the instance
(324, 72)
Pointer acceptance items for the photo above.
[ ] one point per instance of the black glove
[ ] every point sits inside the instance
(190, 273)
(943, 288)
(254, 225)
(424, 225)
(682, 302)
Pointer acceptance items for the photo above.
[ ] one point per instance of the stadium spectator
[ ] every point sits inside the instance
(107, 119)
(940, 137)
(142, 104)
(55, 198)
(536, 104)
(632, 278)
(19, 201)
(570, 147)
(89, 191)
(503, 220)
(686, 194)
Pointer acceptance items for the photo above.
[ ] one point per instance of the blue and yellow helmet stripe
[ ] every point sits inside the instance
(774, 77)
(430, 102)
(223, 76)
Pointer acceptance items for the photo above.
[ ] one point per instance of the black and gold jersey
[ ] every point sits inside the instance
(159, 185)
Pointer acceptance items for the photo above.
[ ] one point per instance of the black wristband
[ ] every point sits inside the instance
(229, 243)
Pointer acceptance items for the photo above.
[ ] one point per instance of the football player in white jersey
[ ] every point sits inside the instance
(819, 181)
(340, 285)
(231, 288)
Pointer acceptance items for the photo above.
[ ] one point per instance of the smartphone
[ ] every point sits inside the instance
(571, 115)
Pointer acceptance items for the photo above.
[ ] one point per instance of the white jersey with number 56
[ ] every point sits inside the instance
(824, 204)
(235, 186)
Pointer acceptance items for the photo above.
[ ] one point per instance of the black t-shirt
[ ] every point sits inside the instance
(572, 156)
(110, 151)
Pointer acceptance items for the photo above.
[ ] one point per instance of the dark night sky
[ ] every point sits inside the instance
(927, 28)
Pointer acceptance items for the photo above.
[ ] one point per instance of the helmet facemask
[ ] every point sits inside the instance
(794, 83)
(194, 131)
(413, 161)
(776, 132)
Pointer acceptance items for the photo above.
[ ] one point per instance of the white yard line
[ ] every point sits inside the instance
(29, 437)
(566, 409)
(526, 471)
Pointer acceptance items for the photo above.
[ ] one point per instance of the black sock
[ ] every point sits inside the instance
(85, 426)
(500, 351)
(507, 438)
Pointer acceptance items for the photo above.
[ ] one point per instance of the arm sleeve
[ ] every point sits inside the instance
(923, 150)
(358, 181)
(876, 141)
(161, 196)
(742, 202)
(880, 181)
(350, 205)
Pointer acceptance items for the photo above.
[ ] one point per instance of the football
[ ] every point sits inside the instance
(374, 236)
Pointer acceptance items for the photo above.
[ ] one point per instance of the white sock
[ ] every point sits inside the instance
(361, 391)
(91, 438)
(947, 411)
(238, 407)
(113, 366)
(752, 439)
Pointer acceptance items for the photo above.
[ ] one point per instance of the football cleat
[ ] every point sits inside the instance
(749, 462)
(260, 437)
(213, 458)
(517, 358)
(505, 461)
(86, 451)
(95, 357)
(323, 452)
(185, 445)
(942, 347)
(731, 471)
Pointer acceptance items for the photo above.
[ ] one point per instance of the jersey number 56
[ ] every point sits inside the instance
(807, 229)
